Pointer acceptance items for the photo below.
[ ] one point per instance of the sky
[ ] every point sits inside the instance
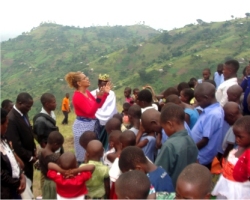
(19, 16)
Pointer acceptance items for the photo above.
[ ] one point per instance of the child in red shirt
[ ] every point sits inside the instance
(70, 180)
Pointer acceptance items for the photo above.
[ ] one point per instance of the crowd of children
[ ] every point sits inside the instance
(162, 146)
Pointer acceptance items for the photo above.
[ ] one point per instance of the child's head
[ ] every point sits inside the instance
(114, 139)
(232, 112)
(55, 140)
(220, 68)
(118, 116)
(67, 95)
(67, 161)
(134, 112)
(169, 91)
(182, 86)
(132, 158)
(136, 91)
(204, 94)
(103, 80)
(187, 95)
(132, 185)
(127, 92)
(144, 98)
(173, 99)
(86, 137)
(112, 125)
(206, 73)
(48, 101)
(248, 70)
(7, 105)
(230, 69)
(192, 82)
(234, 93)
(94, 150)
(150, 120)
(125, 107)
(172, 118)
(241, 129)
(194, 182)
(127, 138)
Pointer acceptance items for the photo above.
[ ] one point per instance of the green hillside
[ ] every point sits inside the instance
(37, 61)
(133, 55)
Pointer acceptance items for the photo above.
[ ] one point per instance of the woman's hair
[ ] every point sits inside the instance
(72, 78)
(4, 114)
(148, 87)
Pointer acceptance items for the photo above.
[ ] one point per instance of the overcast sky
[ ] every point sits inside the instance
(19, 16)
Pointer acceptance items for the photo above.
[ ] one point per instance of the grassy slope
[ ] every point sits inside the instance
(36, 62)
(215, 42)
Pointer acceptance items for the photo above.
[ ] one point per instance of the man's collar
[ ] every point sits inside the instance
(18, 110)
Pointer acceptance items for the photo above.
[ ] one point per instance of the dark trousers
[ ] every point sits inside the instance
(65, 120)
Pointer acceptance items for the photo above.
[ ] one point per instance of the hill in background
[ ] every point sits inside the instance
(37, 61)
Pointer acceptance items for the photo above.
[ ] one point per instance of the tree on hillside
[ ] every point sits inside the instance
(232, 16)
(200, 21)
(247, 15)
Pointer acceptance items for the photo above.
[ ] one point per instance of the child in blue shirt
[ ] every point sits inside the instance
(133, 158)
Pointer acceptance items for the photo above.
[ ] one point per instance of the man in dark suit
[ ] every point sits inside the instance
(19, 132)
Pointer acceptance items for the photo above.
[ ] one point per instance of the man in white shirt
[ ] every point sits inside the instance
(108, 109)
(230, 76)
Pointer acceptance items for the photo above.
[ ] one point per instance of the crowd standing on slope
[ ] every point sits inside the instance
(192, 141)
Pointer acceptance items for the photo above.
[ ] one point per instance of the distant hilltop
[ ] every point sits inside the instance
(37, 61)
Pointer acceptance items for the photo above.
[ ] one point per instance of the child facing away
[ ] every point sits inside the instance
(99, 185)
(194, 182)
(246, 89)
(119, 117)
(179, 150)
(146, 139)
(133, 158)
(85, 138)
(127, 138)
(54, 142)
(111, 125)
(191, 115)
(134, 116)
(186, 95)
(236, 165)
(70, 180)
(132, 185)
(115, 148)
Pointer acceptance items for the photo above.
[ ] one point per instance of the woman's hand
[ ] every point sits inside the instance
(107, 87)
(22, 185)
(104, 89)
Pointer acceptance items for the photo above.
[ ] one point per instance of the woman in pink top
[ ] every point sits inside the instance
(85, 106)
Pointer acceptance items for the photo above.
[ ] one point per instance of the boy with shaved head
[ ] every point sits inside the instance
(232, 114)
(194, 182)
(98, 185)
(207, 132)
